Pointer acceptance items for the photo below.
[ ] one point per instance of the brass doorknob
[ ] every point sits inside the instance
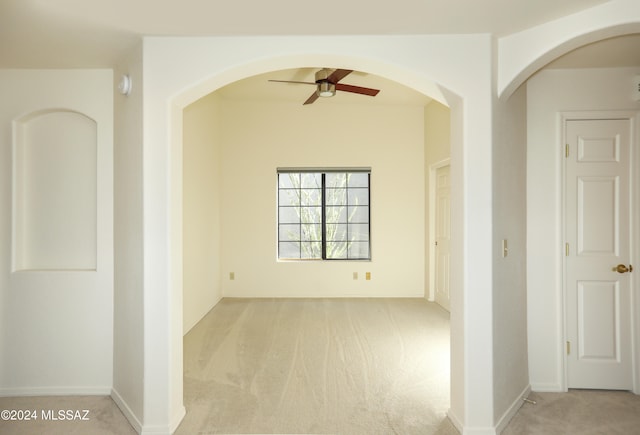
(621, 268)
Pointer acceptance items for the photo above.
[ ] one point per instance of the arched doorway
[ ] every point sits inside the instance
(437, 94)
(603, 92)
(252, 128)
(177, 72)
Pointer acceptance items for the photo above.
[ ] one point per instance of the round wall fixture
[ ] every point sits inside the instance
(125, 85)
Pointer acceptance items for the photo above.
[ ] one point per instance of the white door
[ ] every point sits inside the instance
(443, 236)
(598, 303)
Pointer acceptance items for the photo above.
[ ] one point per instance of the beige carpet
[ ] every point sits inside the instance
(328, 366)
(102, 418)
(347, 366)
(580, 412)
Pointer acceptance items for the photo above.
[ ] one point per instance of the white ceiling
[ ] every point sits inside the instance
(93, 33)
(622, 51)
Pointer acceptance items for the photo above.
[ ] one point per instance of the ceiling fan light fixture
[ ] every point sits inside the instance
(327, 84)
(326, 89)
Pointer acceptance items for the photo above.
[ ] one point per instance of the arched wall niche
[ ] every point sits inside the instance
(54, 191)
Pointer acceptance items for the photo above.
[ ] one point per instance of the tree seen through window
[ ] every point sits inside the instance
(323, 215)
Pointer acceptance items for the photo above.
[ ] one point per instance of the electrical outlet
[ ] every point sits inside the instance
(355, 275)
(232, 276)
(368, 276)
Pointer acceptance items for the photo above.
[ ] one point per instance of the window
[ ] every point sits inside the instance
(324, 214)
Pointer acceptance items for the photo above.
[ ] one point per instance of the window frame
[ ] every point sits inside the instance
(323, 171)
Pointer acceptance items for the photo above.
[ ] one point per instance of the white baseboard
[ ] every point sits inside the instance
(193, 323)
(548, 388)
(512, 410)
(479, 431)
(54, 391)
(128, 413)
(155, 430)
(147, 429)
(469, 430)
(455, 420)
(502, 423)
(345, 295)
(177, 419)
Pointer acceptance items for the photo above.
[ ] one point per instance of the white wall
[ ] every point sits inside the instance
(57, 325)
(128, 342)
(260, 137)
(437, 140)
(210, 119)
(201, 208)
(437, 132)
(180, 70)
(148, 302)
(548, 93)
(511, 375)
(55, 184)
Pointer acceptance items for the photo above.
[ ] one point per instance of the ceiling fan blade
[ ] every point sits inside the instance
(338, 75)
(292, 81)
(357, 89)
(311, 99)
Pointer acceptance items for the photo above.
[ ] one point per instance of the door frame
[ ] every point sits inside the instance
(634, 209)
(433, 170)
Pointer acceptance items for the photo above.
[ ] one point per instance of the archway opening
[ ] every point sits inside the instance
(248, 118)
(592, 81)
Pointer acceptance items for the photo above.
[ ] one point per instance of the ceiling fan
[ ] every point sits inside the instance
(327, 84)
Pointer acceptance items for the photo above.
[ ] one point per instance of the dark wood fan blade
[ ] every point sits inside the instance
(291, 81)
(338, 75)
(357, 89)
(311, 99)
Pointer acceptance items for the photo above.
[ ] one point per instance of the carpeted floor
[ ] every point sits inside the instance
(348, 366)
(102, 417)
(342, 366)
(580, 412)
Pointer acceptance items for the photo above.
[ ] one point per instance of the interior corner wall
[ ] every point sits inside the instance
(437, 148)
(549, 93)
(201, 209)
(511, 373)
(259, 137)
(437, 132)
(57, 325)
(128, 342)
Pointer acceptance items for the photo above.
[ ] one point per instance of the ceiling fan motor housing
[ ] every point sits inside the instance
(322, 75)
(325, 87)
